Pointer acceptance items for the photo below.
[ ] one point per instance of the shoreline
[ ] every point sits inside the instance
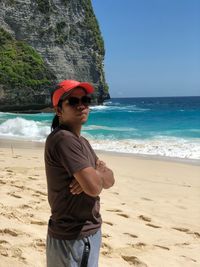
(28, 144)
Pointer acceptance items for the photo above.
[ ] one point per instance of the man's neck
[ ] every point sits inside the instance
(74, 129)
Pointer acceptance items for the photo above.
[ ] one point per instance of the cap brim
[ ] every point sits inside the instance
(61, 91)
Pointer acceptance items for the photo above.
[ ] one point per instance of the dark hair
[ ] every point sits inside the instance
(55, 122)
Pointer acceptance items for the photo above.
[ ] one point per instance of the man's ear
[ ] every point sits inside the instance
(57, 111)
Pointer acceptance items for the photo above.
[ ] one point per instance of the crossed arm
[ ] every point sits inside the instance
(91, 180)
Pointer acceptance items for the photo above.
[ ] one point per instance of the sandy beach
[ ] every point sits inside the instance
(151, 217)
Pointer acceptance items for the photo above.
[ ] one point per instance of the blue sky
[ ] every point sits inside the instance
(152, 46)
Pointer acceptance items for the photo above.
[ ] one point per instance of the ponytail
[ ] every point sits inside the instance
(55, 122)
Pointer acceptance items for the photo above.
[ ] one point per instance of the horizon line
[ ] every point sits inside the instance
(153, 96)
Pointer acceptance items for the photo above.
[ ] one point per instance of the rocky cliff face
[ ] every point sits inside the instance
(66, 36)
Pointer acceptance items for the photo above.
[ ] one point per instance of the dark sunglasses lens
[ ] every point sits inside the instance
(73, 101)
(86, 100)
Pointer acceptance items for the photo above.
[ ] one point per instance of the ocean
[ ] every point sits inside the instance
(160, 126)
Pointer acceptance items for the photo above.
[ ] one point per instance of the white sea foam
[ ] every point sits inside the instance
(24, 129)
(129, 108)
(20, 128)
(110, 102)
(100, 107)
(170, 147)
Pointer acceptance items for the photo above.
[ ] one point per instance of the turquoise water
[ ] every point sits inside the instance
(148, 117)
(160, 126)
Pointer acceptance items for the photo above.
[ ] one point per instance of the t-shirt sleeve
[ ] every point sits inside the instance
(92, 150)
(70, 154)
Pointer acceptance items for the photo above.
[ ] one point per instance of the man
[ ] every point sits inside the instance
(75, 178)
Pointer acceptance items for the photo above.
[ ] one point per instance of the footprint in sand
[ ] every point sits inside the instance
(105, 235)
(115, 193)
(4, 242)
(114, 210)
(38, 222)
(39, 193)
(120, 214)
(12, 251)
(12, 232)
(9, 232)
(123, 215)
(11, 215)
(163, 247)
(14, 195)
(188, 258)
(24, 206)
(3, 252)
(39, 244)
(196, 234)
(2, 182)
(181, 229)
(3, 248)
(152, 225)
(19, 186)
(187, 231)
(109, 223)
(147, 199)
(17, 253)
(34, 204)
(131, 235)
(132, 260)
(105, 249)
(17, 156)
(144, 218)
(139, 245)
(8, 170)
(35, 195)
(15, 182)
(182, 244)
(32, 178)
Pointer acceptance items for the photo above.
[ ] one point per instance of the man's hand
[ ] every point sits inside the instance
(100, 165)
(105, 173)
(75, 187)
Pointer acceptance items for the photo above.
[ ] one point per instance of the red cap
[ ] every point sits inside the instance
(66, 86)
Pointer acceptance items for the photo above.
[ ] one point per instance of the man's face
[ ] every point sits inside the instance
(74, 115)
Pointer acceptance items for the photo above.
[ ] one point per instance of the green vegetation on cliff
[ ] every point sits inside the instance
(20, 64)
(93, 25)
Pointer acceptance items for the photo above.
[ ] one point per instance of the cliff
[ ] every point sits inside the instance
(43, 42)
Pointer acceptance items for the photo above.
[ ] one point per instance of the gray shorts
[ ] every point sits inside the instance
(68, 253)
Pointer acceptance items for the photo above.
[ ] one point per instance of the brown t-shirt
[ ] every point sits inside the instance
(73, 216)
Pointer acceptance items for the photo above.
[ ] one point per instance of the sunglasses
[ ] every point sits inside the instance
(74, 101)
